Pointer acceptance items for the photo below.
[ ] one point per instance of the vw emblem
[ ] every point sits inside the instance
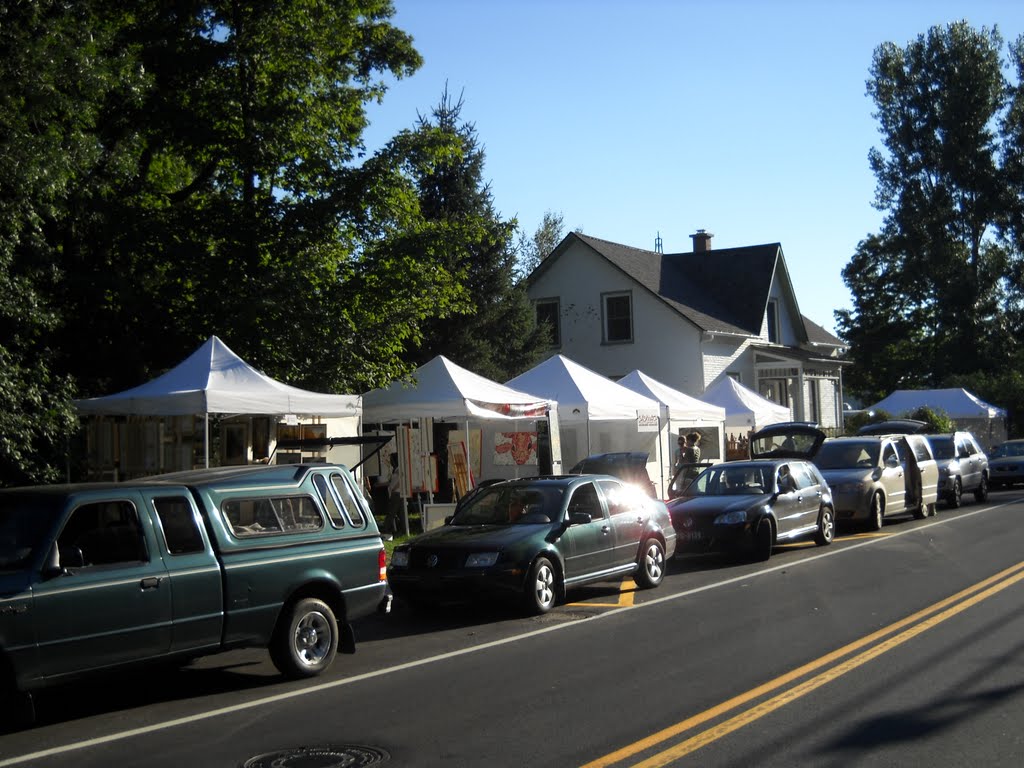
(687, 522)
(431, 561)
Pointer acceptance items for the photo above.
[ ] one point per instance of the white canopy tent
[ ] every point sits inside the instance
(619, 418)
(442, 390)
(682, 413)
(213, 379)
(987, 422)
(745, 410)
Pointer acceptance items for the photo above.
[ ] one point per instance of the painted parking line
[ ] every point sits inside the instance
(627, 589)
(795, 684)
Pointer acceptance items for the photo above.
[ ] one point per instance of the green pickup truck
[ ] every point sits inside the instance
(100, 575)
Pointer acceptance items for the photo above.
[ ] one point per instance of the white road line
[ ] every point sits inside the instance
(155, 727)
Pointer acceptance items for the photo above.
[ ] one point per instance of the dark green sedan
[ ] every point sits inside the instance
(531, 539)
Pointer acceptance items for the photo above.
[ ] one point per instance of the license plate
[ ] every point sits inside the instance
(693, 536)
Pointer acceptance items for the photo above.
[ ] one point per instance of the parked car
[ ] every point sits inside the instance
(95, 576)
(963, 467)
(534, 538)
(630, 466)
(871, 476)
(749, 506)
(1006, 464)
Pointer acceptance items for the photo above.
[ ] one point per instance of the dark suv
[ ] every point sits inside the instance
(963, 467)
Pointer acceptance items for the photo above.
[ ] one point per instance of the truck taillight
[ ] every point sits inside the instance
(382, 561)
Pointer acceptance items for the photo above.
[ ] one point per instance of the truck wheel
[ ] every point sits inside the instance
(954, 497)
(306, 640)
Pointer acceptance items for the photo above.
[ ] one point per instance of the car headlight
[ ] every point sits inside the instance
(400, 559)
(732, 518)
(481, 559)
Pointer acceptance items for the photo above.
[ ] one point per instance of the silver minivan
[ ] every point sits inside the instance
(871, 476)
(963, 467)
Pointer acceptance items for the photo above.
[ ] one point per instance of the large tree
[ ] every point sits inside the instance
(494, 332)
(171, 171)
(929, 290)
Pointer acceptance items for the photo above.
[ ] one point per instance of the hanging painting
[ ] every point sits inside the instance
(515, 448)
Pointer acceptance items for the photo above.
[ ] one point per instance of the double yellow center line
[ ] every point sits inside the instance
(836, 664)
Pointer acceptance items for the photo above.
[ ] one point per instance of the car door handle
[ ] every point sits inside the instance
(605, 529)
(151, 582)
(640, 519)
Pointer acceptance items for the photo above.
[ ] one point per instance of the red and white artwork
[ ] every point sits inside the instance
(515, 448)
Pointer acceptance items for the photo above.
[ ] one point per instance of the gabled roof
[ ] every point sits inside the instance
(703, 287)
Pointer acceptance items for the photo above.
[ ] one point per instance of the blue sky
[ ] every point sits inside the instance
(747, 119)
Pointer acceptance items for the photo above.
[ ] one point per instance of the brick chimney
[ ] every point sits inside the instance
(701, 241)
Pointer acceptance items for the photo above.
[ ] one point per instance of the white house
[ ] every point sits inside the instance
(688, 319)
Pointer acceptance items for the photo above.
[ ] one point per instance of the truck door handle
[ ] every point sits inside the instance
(151, 582)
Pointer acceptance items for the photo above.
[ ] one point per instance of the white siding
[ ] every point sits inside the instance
(665, 346)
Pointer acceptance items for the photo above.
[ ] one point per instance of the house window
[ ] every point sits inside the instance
(548, 313)
(618, 317)
(773, 321)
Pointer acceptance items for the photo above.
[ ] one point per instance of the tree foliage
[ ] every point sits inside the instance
(175, 170)
(535, 248)
(933, 291)
(494, 332)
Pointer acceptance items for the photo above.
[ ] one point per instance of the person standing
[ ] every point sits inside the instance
(681, 453)
(693, 451)
(395, 499)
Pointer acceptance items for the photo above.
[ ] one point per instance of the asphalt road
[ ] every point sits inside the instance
(898, 648)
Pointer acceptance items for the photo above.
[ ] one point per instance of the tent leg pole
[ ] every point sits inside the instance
(206, 440)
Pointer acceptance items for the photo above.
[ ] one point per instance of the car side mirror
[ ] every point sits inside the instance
(57, 563)
(580, 518)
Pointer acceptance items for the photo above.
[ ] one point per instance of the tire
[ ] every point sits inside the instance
(981, 492)
(306, 640)
(541, 591)
(764, 540)
(876, 512)
(650, 567)
(826, 527)
(955, 497)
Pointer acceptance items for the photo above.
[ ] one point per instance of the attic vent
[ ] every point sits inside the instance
(701, 241)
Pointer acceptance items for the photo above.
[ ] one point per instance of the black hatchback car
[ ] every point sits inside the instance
(749, 506)
(531, 539)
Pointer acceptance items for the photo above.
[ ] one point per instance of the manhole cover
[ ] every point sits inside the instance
(334, 756)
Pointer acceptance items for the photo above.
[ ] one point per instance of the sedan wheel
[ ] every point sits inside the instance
(763, 540)
(541, 587)
(826, 527)
(876, 512)
(953, 500)
(981, 492)
(651, 569)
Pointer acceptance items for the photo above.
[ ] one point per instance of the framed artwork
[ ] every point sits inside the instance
(515, 449)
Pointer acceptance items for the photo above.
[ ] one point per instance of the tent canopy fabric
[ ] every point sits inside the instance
(213, 379)
(581, 393)
(444, 390)
(681, 407)
(955, 403)
(743, 406)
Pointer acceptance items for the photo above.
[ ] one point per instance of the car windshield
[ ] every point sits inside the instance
(943, 447)
(733, 480)
(1008, 449)
(24, 521)
(854, 454)
(510, 505)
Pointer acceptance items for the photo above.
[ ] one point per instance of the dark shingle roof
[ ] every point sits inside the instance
(703, 287)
